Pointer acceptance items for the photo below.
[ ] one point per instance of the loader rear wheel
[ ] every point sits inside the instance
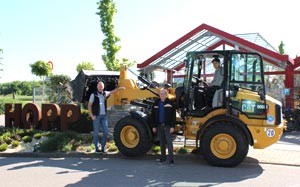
(132, 137)
(224, 144)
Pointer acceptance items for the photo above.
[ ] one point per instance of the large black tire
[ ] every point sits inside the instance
(224, 144)
(132, 137)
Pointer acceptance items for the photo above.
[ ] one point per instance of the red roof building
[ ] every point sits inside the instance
(280, 70)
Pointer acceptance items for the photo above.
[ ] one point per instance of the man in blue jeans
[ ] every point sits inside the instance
(97, 107)
(163, 120)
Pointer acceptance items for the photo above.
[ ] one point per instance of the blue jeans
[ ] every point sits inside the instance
(100, 122)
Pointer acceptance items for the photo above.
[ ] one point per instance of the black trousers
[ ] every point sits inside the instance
(165, 137)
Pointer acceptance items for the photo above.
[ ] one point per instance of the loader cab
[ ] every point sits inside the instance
(242, 89)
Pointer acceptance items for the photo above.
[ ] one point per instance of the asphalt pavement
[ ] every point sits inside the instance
(284, 152)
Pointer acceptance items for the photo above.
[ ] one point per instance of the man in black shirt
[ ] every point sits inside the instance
(164, 117)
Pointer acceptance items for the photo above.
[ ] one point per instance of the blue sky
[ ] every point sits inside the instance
(67, 32)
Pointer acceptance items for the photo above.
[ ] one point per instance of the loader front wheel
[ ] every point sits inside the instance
(224, 144)
(132, 137)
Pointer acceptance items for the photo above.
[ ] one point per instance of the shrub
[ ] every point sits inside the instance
(112, 147)
(89, 149)
(37, 136)
(24, 132)
(156, 149)
(60, 142)
(6, 137)
(15, 136)
(20, 132)
(92, 146)
(7, 140)
(182, 150)
(3, 147)
(48, 134)
(15, 143)
(27, 139)
(68, 147)
(84, 123)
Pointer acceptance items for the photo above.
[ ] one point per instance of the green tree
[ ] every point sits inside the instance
(107, 10)
(60, 93)
(281, 48)
(6, 89)
(14, 89)
(43, 70)
(19, 87)
(26, 88)
(85, 66)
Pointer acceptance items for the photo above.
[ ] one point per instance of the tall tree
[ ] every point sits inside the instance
(281, 48)
(85, 65)
(106, 12)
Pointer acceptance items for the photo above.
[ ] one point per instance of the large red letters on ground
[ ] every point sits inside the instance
(31, 116)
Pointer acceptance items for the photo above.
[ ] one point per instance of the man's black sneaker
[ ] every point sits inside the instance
(97, 151)
(162, 161)
(103, 151)
(171, 162)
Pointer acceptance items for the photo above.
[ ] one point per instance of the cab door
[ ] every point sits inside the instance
(246, 84)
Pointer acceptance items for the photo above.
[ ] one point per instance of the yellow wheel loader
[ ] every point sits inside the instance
(222, 123)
